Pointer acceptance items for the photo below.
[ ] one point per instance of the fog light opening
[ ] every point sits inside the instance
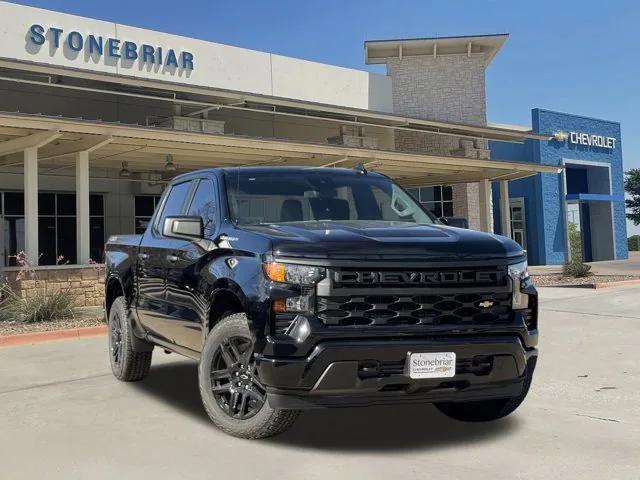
(299, 329)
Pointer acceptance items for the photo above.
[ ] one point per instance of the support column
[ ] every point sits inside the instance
(82, 208)
(486, 225)
(31, 205)
(505, 209)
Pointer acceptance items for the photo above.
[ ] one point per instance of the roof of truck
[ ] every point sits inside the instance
(269, 169)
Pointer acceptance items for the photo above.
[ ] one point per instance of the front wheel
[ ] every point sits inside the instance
(232, 394)
(487, 410)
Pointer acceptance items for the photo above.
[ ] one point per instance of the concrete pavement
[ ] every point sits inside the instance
(63, 415)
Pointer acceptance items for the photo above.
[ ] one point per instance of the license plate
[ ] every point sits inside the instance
(432, 365)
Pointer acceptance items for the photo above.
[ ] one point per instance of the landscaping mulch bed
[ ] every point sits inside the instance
(82, 320)
(556, 280)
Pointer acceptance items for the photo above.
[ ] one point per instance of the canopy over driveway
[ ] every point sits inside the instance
(145, 149)
(52, 143)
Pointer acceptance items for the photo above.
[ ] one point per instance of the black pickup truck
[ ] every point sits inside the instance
(298, 288)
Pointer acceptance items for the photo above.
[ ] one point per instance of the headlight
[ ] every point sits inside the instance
(519, 272)
(291, 273)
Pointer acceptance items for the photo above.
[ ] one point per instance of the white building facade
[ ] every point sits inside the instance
(96, 117)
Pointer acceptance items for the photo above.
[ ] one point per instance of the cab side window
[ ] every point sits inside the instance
(204, 206)
(175, 202)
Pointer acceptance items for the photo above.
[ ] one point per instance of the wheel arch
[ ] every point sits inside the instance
(113, 289)
(225, 300)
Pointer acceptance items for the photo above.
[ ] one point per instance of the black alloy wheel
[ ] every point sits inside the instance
(233, 396)
(127, 364)
(234, 381)
(115, 340)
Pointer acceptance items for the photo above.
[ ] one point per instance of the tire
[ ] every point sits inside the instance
(231, 393)
(126, 364)
(487, 410)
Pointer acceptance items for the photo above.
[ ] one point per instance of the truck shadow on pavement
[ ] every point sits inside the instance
(378, 428)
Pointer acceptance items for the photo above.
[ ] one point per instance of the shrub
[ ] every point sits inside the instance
(39, 306)
(575, 243)
(576, 269)
(634, 243)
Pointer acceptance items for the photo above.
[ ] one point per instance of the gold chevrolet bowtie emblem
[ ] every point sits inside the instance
(486, 304)
(560, 136)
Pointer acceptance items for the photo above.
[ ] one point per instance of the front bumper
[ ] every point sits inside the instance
(369, 372)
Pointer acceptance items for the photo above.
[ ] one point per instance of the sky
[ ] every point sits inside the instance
(579, 57)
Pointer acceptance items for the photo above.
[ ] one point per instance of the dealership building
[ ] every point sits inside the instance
(96, 117)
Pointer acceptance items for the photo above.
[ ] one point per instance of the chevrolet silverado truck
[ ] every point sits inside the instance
(297, 288)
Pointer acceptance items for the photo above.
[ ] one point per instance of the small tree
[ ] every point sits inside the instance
(575, 243)
(632, 187)
(575, 267)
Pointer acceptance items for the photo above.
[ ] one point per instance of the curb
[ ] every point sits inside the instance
(595, 286)
(620, 283)
(40, 337)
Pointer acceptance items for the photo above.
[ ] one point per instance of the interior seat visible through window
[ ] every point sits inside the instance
(291, 211)
(329, 208)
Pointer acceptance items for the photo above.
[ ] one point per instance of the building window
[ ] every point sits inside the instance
(438, 200)
(145, 205)
(12, 209)
(56, 227)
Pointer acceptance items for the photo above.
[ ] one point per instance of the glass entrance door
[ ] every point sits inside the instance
(518, 222)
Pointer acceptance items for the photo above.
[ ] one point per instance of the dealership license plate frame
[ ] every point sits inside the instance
(418, 372)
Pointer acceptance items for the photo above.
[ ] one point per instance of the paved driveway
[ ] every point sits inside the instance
(62, 415)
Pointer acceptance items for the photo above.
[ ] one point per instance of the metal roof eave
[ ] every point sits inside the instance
(151, 144)
(383, 119)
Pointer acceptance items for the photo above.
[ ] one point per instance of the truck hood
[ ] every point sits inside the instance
(383, 240)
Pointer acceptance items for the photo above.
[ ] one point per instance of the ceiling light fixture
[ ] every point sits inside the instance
(125, 172)
(170, 166)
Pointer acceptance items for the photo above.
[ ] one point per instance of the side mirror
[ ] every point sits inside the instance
(188, 228)
(443, 220)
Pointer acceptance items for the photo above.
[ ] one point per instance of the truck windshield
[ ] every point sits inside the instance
(312, 196)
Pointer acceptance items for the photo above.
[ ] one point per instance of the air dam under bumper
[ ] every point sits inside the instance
(371, 372)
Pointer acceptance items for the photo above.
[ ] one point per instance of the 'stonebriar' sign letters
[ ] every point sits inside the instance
(111, 47)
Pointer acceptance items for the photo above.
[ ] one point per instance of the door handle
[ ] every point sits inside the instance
(143, 256)
(172, 258)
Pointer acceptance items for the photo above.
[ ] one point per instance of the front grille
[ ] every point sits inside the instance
(423, 309)
(443, 278)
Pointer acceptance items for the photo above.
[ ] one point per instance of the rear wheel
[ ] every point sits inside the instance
(126, 364)
(487, 410)
(232, 394)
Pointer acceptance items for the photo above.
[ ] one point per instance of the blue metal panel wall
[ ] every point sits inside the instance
(553, 152)
(525, 188)
(546, 225)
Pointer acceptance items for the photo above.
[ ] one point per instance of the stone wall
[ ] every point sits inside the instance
(449, 88)
(85, 282)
